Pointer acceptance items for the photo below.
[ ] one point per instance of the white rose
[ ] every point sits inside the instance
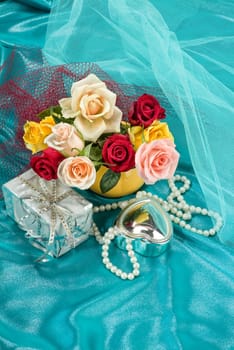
(77, 172)
(65, 139)
(93, 106)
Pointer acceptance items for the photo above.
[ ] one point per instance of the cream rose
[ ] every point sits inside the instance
(156, 160)
(65, 139)
(77, 172)
(93, 107)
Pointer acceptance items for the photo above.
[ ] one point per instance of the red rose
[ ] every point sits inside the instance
(145, 110)
(47, 163)
(118, 152)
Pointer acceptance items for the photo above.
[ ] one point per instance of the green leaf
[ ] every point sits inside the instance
(96, 153)
(109, 180)
(43, 114)
(124, 128)
(87, 150)
(58, 119)
(54, 111)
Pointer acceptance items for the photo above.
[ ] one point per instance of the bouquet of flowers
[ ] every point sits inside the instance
(87, 131)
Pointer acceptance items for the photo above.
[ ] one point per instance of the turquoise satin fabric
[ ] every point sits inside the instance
(182, 299)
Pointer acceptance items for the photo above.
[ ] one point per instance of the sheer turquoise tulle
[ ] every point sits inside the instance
(183, 48)
(183, 300)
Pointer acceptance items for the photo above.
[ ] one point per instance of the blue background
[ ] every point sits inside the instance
(182, 299)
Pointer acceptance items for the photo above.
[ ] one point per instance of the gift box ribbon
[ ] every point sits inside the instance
(49, 201)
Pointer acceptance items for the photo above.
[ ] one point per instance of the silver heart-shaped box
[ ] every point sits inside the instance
(147, 224)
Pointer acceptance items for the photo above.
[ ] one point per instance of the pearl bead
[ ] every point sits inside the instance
(109, 265)
(186, 216)
(113, 269)
(131, 276)
(186, 207)
(131, 253)
(105, 254)
(105, 261)
(182, 223)
(133, 259)
(136, 272)
(124, 275)
(212, 232)
(136, 266)
(123, 204)
(118, 272)
(176, 220)
(180, 205)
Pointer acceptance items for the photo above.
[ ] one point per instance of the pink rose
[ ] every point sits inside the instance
(46, 164)
(77, 172)
(156, 160)
(145, 111)
(65, 139)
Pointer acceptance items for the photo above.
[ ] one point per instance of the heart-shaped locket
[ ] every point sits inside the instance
(147, 224)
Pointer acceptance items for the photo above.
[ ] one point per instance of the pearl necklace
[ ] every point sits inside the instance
(179, 212)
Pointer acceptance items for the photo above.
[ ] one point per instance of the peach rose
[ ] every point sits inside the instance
(93, 107)
(156, 160)
(65, 139)
(77, 172)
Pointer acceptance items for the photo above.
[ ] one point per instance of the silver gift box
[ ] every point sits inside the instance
(55, 226)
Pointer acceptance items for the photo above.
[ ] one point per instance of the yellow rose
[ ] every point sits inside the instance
(35, 134)
(157, 131)
(136, 136)
(46, 125)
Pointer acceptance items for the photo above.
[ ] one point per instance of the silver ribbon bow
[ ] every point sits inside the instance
(48, 201)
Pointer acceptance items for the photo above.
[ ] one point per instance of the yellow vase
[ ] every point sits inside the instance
(128, 183)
